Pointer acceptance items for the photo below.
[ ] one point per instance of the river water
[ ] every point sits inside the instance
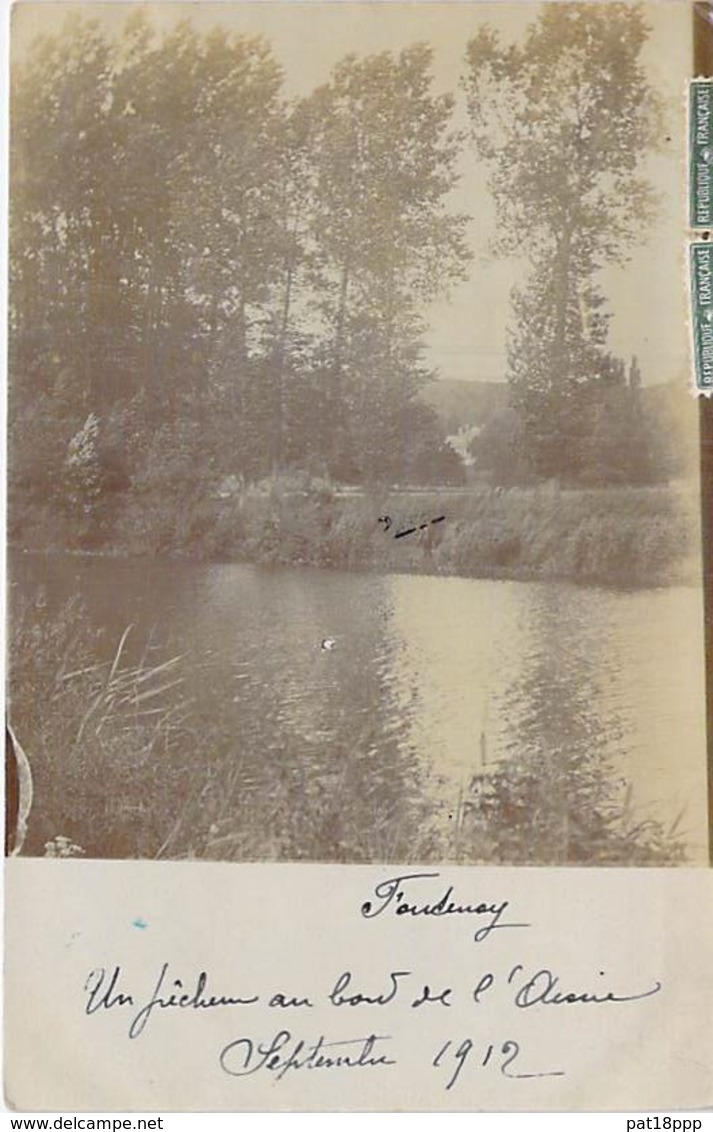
(466, 675)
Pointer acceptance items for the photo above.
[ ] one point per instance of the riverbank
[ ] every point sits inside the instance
(614, 536)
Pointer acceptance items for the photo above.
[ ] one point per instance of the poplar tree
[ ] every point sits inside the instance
(563, 121)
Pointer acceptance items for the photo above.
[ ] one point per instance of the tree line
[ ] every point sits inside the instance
(210, 278)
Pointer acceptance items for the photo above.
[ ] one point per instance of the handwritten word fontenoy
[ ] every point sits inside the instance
(394, 895)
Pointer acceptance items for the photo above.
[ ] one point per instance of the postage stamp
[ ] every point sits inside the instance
(702, 315)
(700, 121)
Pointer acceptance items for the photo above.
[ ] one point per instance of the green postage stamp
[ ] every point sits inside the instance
(702, 310)
(700, 206)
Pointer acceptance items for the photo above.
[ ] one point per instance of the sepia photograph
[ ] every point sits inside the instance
(354, 507)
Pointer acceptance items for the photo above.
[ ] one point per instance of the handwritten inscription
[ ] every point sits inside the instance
(371, 1000)
(541, 990)
(387, 522)
(282, 1053)
(339, 996)
(279, 1055)
(454, 1058)
(527, 989)
(394, 895)
(105, 993)
(285, 1053)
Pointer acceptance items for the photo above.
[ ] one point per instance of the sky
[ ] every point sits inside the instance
(467, 330)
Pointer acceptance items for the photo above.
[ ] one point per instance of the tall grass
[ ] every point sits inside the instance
(638, 536)
(125, 765)
(622, 536)
(101, 736)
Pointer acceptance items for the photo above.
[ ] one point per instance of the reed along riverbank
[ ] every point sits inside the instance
(629, 536)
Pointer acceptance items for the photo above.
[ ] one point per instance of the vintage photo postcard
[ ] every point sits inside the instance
(354, 519)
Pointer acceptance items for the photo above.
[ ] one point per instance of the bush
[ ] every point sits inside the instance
(561, 808)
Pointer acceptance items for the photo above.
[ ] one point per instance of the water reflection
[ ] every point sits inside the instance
(565, 788)
(322, 740)
(555, 795)
(452, 719)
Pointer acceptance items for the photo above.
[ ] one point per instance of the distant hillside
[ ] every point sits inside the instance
(460, 403)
